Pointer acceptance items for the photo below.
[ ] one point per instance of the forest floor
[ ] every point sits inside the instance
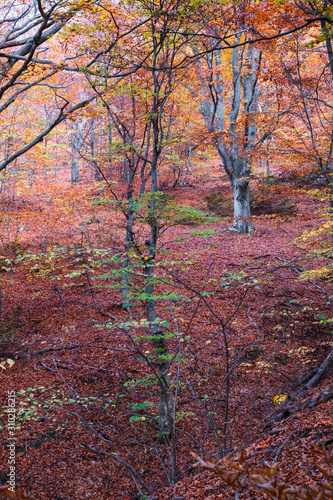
(85, 391)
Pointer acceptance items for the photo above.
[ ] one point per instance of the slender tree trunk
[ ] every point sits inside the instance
(97, 173)
(330, 180)
(31, 177)
(162, 354)
(110, 148)
(188, 156)
(128, 243)
(268, 162)
(74, 166)
(158, 338)
(77, 141)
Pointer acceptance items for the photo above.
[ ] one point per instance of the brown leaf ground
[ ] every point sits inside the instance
(87, 371)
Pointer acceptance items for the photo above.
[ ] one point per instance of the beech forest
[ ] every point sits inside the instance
(166, 272)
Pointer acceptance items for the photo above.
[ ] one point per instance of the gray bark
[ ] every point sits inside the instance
(97, 173)
(239, 179)
(77, 141)
(324, 367)
(188, 160)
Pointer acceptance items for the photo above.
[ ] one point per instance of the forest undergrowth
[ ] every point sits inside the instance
(242, 328)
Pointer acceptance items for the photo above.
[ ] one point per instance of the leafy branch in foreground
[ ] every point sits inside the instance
(237, 473)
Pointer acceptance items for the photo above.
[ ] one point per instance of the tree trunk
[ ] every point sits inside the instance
(188, 156)
(158, 340)
(97, 173)
(110, 173)
(330, 179)
(77, 141)
(125, 280)
(242, 212)
(162, 355)
(239, 176)
(75, 170)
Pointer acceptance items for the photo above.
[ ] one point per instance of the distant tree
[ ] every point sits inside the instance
(25, 33)
(229, 107)
(309, 86)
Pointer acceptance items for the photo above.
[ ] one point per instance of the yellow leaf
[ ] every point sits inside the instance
(279, 399)
(10, 362)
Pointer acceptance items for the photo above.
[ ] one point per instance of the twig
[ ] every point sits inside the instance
(46, 367)
(53, 349)
(283, 444)
(299, 272)
(133, 473)
(252, 321)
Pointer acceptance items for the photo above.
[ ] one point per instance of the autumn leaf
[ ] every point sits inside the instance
(16, 494)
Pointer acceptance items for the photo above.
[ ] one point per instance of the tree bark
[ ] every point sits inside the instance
(77, 141)
(162, 354)
(128, 243)
(75, 161)
(324, 367)
(158, 339)
(242, 211)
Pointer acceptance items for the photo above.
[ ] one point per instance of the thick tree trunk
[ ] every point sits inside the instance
(239, 176)
(242, 212)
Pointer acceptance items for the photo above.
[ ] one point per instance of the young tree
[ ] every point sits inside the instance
(156, 53)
